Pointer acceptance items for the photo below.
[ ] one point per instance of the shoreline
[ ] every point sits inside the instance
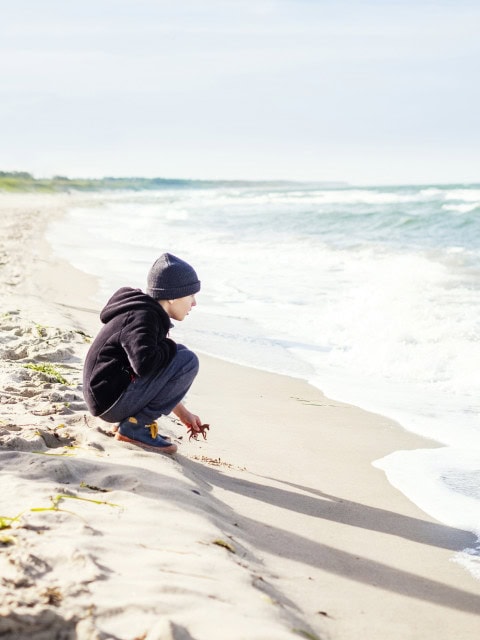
(285, 478)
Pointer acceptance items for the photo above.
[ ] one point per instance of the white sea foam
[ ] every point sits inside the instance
(462, 208)
(332, 196)
(465, 195)
(445, 483)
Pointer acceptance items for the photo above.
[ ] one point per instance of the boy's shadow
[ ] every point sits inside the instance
(286, 544)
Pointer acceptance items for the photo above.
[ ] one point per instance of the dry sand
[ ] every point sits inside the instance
(278, 526)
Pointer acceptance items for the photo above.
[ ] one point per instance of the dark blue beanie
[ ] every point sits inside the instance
(171, 278)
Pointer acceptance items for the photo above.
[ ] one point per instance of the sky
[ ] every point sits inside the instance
(362, 91)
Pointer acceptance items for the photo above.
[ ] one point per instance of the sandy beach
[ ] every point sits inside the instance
(276, 527)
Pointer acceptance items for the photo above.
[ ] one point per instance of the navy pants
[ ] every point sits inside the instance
(149, 397)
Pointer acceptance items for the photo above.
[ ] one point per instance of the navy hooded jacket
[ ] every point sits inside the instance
(132, 343)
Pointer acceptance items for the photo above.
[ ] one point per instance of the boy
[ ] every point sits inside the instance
(134, 372)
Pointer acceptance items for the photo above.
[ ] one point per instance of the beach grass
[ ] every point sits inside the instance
(49, 370)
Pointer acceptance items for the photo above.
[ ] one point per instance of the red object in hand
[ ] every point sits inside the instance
(202, 430)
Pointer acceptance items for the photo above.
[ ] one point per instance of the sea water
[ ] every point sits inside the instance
(371, 294)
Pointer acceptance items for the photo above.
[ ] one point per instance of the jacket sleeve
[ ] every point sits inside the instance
(144, 340)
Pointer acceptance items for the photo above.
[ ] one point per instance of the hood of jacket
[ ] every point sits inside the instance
(128, 299)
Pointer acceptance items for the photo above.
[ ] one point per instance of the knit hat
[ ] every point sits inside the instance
(171, 278)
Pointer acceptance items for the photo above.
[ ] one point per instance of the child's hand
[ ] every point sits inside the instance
(192, 421)
(189, 419)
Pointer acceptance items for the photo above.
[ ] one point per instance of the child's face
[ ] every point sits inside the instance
(180, 307)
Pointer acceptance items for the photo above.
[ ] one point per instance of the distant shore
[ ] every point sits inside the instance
(24, 182)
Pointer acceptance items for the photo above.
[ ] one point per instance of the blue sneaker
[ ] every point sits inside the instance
(115, 429)
(144, 435)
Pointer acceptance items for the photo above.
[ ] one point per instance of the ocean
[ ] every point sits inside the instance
(372, 294)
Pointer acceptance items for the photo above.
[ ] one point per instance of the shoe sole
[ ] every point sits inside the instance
(170, 449)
